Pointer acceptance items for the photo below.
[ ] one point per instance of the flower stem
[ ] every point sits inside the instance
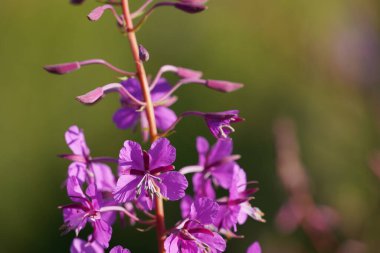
(149, 110)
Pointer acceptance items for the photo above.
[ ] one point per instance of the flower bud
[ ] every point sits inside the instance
(76, 1)
(143, 53)
(63, 68)
(223, 86)
(190, 7)
(97, 13)
(188, 73)
(91, 97)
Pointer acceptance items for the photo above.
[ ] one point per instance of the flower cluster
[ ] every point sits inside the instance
(142, 179)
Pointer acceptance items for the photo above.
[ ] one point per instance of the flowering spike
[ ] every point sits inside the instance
(223, 86)
(92, 96)
(63, 68)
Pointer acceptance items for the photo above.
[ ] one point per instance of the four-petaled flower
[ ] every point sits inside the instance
(191, 235)
(131, 113)
(236, 208)
(83, 166)
(216, 165)
(87, 209)
(149, 173)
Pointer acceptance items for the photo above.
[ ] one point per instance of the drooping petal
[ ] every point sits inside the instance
(76, 141)
(173, 185)
(204, 210)
(165, 117)
(162, 153)
(254, 248)
(102, 232)
(202, 147)
(78, 170)
(171, 244)
(126, 117)
(74, 219)
(119, 249)
(125, 189)
(131, 156)
(202, 186)
(104, 179)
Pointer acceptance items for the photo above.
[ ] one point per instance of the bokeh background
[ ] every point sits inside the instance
(317, 62)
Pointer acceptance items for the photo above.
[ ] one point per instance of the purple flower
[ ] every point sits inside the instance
(80, 246)
(131, 113)
(254, 248)
(191, 235)
(236, 208)
(216, 165)
(148, 173)
(219, 123)
(119, 249)
(83, 166)
(87, 209)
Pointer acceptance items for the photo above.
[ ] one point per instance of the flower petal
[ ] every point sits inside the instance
(254, 248)
(74, 190)
(162, 153)
(102, 232)
(160, 89)
(223, 174)
(126, 117)
(202, 186)
(221, 149)
(125, 189)
(131, 156)
(171, 244)
(216, 242)
(174, 184)
(119, 249)
(76, 141)
(202, 148)
(78, 170)
(164, 117)
(204, 210)
(104, 179)
(185, 206)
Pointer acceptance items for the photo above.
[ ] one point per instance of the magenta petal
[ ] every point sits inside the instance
(126, 118)
(254, 248)
(223, 86)
(221, 149)
(161, 89)
(79, 171)
(165, 117)
(76, 141)
(63, 68)
(185, 206)
(74, 190)
(162, 153)
(203, 187)
(223, 174)
(216, 242)
(81, 246)
(202, 147)
(174, 184)
(131, 156)
(204, 210)
(171, 244)
(125, 189)
(102, 232)
(227, 216)
(119, 249)
(104, 179)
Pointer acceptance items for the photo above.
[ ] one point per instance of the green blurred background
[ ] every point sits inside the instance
(314, 61)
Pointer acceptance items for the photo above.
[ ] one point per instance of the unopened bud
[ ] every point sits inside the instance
(189, 73)
(63, 68)
(190, 7)
(143, 53)
(223, 86)
(92, 96)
